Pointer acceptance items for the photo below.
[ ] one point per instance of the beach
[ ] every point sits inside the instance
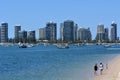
(113, 71)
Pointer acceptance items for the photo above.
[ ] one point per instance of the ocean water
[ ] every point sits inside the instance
(50, 63)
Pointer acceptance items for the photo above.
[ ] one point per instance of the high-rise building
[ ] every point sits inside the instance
(61, 31)
(42, 34)
(106, 34)
(4, 32)
(113, 32)
(100, 33)
(22, 36)
(68, 30)
(17, 28)
(84, 34)
(51, 31)
(75, 32)
(31, 36)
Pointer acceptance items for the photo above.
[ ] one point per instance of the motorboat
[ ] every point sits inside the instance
(63, 46)
(22, 46)
(107, 46)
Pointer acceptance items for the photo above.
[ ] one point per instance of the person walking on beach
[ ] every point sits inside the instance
(95, 69)
(101, 68)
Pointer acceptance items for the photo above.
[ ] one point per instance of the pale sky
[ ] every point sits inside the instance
(33, 14)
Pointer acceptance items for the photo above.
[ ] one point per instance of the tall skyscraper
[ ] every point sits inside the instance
(113, 32)
(42, 34)
(75, 32)
(22, 36)
(106, 34)
(31, 36)
(84, 34)
(68, 30)
(61, 31)
(17, 28)
(100, 32)
(4, 32)
(51, 31)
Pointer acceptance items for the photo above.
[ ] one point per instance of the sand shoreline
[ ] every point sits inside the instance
(113, 71)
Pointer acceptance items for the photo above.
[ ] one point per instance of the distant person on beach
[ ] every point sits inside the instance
(101, 68)
(95, 69)
(106, 66)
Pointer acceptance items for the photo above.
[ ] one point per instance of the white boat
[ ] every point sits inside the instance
(63, 46)
(107, 46)
(30, 45)
(112, 46)
(22, 46)
(6, 44)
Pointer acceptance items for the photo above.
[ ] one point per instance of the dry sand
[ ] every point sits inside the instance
(113, 71)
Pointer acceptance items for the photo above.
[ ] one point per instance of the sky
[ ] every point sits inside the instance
(34, 14)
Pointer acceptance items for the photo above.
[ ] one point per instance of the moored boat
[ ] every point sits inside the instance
(22, 46)
(62, 46)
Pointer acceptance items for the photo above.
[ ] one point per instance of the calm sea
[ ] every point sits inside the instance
(50, 63)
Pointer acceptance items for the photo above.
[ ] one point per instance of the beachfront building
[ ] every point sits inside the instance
(106, 34)
(42, 34)
(84, 35)
(61, 31)
(17, 28)
(4, 32)
(51, 31)
(68, 31)
(113, 32)
(75, 36)
(31, 36)
(100, 33)
(23, 36)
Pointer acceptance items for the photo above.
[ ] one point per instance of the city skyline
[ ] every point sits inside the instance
(34, 14)
(69, 31)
